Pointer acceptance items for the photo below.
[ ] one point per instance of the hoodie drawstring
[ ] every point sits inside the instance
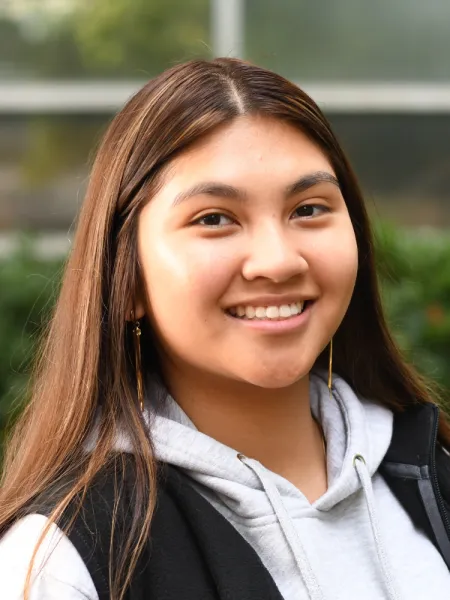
(287, 527)
(366, 482)
(293, 539)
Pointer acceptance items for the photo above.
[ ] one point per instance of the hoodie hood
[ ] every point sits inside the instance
(352, 426)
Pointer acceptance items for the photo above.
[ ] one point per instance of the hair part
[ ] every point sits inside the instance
(85, 369)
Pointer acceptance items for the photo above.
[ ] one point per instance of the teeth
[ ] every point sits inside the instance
(250, 312)
(260, 312)
(285, 311)
(272, 312)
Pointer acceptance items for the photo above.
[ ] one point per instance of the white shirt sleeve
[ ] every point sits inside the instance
(59, 572)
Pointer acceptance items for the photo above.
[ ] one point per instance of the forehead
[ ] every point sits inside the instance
(249, 148)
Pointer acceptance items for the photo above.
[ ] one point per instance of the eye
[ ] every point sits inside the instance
(214, 220)
(309, 211)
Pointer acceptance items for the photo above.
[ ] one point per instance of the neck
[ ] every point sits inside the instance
(272, 426)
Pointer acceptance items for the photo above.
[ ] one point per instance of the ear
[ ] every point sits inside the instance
(137, 305)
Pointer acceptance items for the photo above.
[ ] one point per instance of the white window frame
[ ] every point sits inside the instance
(107, 97)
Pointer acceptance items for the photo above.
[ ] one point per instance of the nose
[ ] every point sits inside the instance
(274, 254)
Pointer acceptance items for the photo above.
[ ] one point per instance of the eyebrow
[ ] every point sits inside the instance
(222, 190)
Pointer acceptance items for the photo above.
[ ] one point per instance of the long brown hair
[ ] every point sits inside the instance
(85, 361)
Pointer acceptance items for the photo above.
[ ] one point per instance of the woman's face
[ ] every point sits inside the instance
(248, 255)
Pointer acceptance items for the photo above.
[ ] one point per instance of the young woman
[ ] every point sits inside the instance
(219, 410)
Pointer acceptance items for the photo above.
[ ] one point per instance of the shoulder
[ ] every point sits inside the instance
(59, 572)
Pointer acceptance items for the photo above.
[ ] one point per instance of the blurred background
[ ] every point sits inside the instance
(380, 71)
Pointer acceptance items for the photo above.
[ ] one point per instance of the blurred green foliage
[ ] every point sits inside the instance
(28, 289)
(139, 38)
(131, 39)
(414, 270)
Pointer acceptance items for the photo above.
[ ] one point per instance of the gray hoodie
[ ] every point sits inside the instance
(355, 542)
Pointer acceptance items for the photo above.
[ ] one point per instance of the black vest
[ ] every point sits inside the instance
(194, 553)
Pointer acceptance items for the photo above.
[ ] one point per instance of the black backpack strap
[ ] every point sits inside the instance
(443, 472)
(91, 529)
(235, 568)
(416, 470)
(91, 533)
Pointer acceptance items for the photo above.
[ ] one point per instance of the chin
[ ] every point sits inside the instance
(275, 378)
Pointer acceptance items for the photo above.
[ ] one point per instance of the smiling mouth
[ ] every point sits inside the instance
(268, 313)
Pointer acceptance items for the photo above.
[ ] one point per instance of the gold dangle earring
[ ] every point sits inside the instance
(330, 369)
(137, 354)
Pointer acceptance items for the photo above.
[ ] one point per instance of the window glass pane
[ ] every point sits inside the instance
(403, 163)
(351, 40)
(44, 164)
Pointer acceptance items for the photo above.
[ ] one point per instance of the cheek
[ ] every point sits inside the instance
(335, 265)
(185, 276)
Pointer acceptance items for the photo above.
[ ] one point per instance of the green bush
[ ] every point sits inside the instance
(28, 288)
(414, 270)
